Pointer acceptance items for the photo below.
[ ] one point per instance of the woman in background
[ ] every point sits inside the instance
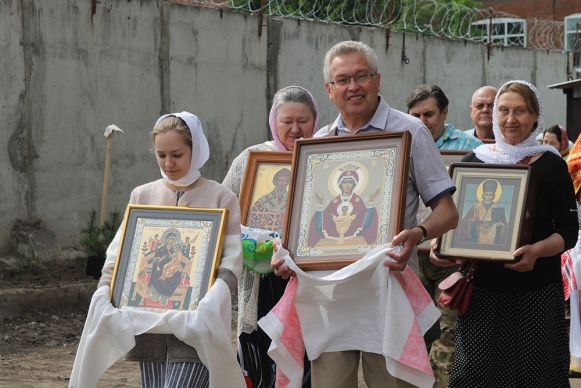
(293, 116)
(556, 136)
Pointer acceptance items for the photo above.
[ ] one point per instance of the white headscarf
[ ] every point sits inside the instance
(200, 149)
(504, 153)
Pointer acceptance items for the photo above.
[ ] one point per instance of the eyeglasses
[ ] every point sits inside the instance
(359, 78)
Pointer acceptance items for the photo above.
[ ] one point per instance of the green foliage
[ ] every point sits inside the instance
(450, 18)
(95, 239)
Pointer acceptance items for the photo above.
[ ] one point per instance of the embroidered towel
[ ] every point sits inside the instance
(363, 307)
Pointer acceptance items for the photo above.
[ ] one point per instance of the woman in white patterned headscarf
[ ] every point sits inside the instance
(514, 333)
(293, 116)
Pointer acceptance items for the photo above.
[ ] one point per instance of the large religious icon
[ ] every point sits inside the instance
(424, 211)
(168, 257)
(494, 206)
(347, 197)
(264, 193)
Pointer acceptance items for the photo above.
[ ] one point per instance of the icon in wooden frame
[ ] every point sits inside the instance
(495, 203)
(264, 192)
(347, 197)
(168, 257)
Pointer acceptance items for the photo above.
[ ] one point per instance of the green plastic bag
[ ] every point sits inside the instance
(257, 248)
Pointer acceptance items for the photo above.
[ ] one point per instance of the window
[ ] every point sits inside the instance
(573, 37)
(502, 31)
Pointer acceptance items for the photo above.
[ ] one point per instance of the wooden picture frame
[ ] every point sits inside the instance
(449, 157)
(491, 226)
(262, 199)
(168, 257)
(347, 197)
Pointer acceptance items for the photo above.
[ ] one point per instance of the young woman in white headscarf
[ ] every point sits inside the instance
(293, 116)
(181, 149)
(514, 333)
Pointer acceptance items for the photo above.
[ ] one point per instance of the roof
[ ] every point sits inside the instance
(566, 84)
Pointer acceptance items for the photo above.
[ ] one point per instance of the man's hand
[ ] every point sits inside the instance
(408, 238)
(280, 268)
(437, 260)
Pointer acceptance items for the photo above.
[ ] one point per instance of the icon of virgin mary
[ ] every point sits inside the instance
(346, 219)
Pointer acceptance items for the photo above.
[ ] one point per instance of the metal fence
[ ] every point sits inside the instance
(425, 17)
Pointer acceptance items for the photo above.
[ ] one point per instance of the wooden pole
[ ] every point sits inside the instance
(105, 191)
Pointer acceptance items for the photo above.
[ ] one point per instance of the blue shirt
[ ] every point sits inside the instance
(427, 178)
(455, 140)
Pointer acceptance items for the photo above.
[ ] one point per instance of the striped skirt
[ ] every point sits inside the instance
(156, 374)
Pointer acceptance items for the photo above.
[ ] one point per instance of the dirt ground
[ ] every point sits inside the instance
(38, 349)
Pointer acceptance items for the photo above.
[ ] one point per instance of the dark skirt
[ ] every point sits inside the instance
(259, 367)
(512, 339)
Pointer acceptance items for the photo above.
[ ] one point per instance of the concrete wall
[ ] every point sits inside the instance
(69, 73)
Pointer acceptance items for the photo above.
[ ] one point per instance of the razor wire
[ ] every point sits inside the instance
(439, 18)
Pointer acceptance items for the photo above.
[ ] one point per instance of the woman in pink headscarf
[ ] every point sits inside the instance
(293, 116)
(556, 136)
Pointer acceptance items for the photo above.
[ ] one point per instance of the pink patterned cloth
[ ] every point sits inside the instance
(361, 307)
(568, 273)
(288, 349)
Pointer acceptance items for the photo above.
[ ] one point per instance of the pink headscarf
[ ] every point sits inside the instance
(272, 116)
(564, 141)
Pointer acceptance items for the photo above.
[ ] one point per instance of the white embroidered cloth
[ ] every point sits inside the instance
(109, 334)
(360, 307)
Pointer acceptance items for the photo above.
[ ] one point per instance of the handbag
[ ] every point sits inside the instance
(456, 289)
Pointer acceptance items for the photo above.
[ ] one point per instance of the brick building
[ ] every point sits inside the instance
(540, 9)
(555, 24)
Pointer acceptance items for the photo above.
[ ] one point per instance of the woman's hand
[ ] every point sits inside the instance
(280, 268)
(437, 260)
(528, 257)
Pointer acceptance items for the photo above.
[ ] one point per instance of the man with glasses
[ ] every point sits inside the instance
(353, 83)
(481, 113)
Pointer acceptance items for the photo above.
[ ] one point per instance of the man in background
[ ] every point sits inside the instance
(481, 113)
(429, 103)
